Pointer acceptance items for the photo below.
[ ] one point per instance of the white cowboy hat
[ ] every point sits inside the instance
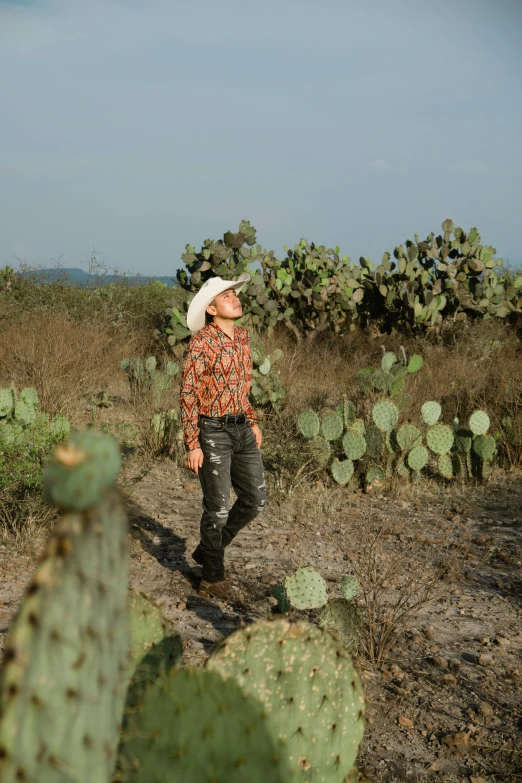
(206, 294)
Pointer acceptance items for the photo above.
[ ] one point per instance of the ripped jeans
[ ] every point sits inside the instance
(231, 457)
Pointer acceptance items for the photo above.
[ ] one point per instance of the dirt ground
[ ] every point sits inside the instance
(446, 704)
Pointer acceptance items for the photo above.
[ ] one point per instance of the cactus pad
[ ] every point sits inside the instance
(484, 446)
(408, 436)
(60, 427)
(309, 688)
(308, 424)
(402, 469)
(479, 423)
(342, 470)
(382, 381)
(375, 475)
(24, 412)
(440, 438)
(358, 426)
(306, 589)
(6, 402)
(154, 646)
(385, 415)
(343, 619)
(463, 440)
(388, 360)
(374, 442)
(415, 363)
(64, 674)
(283, 603)
(430, 412)
(84, 466)
(354, 444)
(350, 587)
(192, 726)
(332, 426)
(445, 466)
(29, 396)
(418, 458)
(348, 412)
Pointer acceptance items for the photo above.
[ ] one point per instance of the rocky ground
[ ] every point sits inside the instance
(446, 703)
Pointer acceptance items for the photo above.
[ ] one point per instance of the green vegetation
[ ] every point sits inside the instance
(273, 702)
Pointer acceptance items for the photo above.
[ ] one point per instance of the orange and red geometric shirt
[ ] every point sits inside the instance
(217, 372)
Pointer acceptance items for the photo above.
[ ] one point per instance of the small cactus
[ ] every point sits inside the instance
(440, 438)
(306, 589)
(309, 424)
(431, 412)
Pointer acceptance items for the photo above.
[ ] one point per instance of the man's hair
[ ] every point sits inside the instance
(209, 318)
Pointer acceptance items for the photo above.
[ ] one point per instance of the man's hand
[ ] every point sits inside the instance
(257, 434)
(194, 460)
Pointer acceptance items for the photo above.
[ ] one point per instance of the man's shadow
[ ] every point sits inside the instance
(146, 529)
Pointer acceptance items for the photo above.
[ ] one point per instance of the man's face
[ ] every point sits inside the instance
(226, 305)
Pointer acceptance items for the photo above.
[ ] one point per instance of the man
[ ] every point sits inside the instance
(220, 428)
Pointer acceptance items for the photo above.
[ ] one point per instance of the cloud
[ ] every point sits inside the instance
(380, 165)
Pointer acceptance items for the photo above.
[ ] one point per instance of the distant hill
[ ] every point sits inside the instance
(81, 278)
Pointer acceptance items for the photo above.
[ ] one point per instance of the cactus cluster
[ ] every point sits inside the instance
(267, 387)
(23, 424)
(92, 686)
(383, 447)
(450, 276)
(144, 374)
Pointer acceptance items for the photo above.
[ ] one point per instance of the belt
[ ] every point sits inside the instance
(229, 418)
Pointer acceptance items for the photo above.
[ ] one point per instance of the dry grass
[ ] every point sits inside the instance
(63, 360)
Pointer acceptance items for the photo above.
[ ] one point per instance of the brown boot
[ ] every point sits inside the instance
(223, 591)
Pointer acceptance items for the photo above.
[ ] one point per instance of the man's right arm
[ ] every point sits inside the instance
(193, 370)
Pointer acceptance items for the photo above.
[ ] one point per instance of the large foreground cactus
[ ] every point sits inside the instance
(309, 688)
(65, 669)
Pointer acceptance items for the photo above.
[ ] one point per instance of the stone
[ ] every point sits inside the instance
(181, 605)
(485, 709)
(440, 661)
(404, 721)
(485, 659)
(455, 666)
(502, 641)
(469, 657)
(457, 740)
(449, 679)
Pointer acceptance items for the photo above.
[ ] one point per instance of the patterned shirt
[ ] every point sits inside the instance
(216, 379)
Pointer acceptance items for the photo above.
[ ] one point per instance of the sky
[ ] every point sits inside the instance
(131, 129)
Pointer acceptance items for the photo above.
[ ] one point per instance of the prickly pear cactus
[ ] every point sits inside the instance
(6, 402)
(84, 467)
(354, 444)
(192, 726)
(374, 442)
(310, 690)
(430, 412)
(375, 475)
(332, 426)
(342, 470)
(418, 458)
(408, 436)
(440, 438)
(283, 603)
(65, 668)
(319, 450)
(343, 619)
(308, 424)
(445, 466)
(155, 648)
(484, 446)
(385, 415)
(350, 587)
(479, 423)
(306, 589)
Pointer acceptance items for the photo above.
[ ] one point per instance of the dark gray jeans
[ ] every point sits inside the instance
(230, 458)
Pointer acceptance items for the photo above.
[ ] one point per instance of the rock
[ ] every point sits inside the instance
(455, 666)
(502, 641)
(485, 709)
(181, 605)
(469, 657)
(477, 780)
(449, 679)
(440, 661)
(457, 740)
(404, 721)
(429, 632)
(485, 659)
